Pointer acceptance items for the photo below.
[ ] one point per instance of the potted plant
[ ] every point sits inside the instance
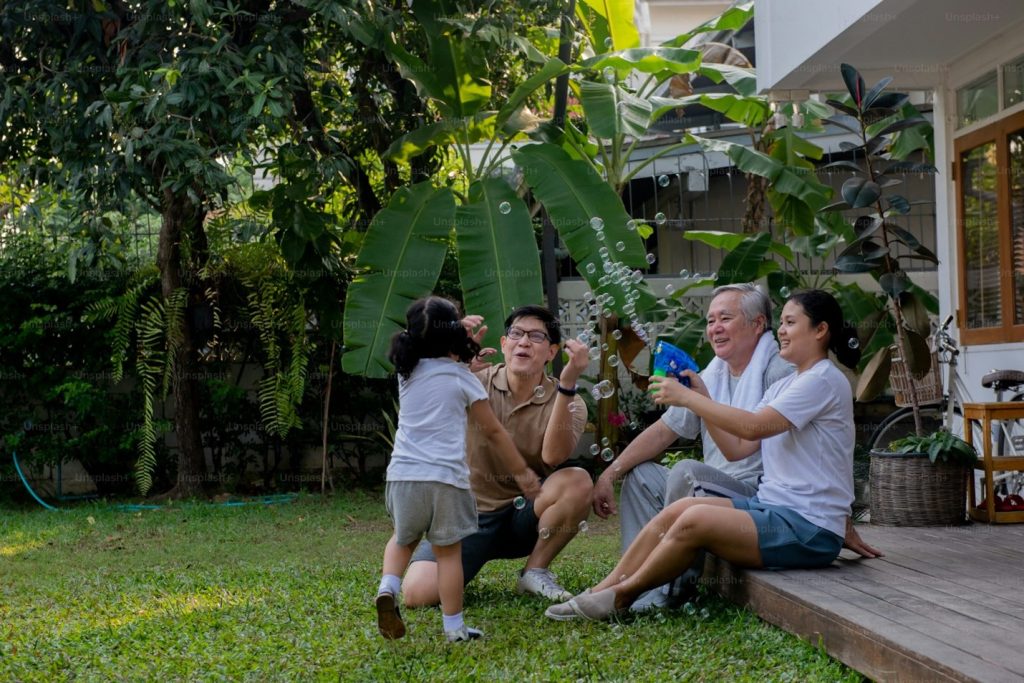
(923, 479)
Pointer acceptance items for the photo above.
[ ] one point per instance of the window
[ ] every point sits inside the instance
(977, 101)
(1013, 83)
(990, 231)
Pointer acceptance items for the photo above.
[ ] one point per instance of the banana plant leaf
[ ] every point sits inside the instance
(499, 265)
(875, 376)
(611, 23)
(731, 19)
(478, 127)
(612, 112)
(551, 70)
(746, 110)
(455, 73)
(400, 261)
(650, 60)
(732, 240)
(786, 180)
(576, 198)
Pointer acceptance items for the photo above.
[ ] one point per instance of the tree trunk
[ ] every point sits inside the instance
(182, 219)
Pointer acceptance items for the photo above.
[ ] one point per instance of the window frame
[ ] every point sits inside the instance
(998, 133)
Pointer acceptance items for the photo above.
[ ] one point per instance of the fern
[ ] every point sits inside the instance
(281, 322)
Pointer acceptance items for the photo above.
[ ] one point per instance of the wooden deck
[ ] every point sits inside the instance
(944, 604)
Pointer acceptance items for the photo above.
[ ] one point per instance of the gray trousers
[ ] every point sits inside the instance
(649, 487)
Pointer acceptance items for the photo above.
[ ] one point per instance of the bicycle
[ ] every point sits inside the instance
(946, 413)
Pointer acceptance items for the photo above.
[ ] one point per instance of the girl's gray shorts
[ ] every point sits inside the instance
(444, 513)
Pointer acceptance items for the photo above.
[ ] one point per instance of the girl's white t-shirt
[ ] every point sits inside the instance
(809, 469)
(430, 442)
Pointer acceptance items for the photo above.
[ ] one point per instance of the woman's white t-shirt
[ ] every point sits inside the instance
(430, 442)
(809, 469)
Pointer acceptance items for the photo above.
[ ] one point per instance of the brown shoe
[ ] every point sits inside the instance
(389, 619)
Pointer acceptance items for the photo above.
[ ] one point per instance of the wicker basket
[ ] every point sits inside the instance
(928, 385)
(907, 489)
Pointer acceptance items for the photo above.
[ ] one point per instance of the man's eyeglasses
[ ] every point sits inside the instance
(535, 336)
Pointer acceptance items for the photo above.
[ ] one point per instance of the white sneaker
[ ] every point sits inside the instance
(541, 582)
(463, 634)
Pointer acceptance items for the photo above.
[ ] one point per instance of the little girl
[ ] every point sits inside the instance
(427, 488)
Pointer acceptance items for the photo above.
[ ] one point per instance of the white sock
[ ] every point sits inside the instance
(453, 622)
(390, 583)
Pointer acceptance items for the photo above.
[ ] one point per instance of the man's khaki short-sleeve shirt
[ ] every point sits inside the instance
(526, 423)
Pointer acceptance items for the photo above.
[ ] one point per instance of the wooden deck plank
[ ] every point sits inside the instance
(847, 633)
(944, 604)
(999, 576)
(970, 604)
(950, 630)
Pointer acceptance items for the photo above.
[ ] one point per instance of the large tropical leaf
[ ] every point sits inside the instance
(651, 60)
(785, 179)
(465, 130)
(574, 196)
(551, 69)
(743, 79)
(400, 261)
(730, 20)
(615, 23)
(612, 112)
(498, 261)
(730, 241)
(456, 67)
(743, 263)
(749, 111)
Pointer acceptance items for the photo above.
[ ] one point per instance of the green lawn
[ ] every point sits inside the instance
(285, 593)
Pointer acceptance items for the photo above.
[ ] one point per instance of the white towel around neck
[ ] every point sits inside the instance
(750, 389)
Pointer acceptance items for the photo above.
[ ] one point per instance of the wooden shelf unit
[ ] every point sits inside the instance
(989, 462)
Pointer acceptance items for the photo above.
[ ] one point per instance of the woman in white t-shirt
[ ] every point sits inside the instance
(804, 428)
(427, 490)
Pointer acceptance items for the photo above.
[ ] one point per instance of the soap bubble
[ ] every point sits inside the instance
(504, 207)
(583, 527)
(664, 180)
(603, 251)
(538, 391)
(597, 223)
(616, 334)
(684, 273)
(620, 246)
(690, 609)
(631, 225)
(605, 441)
(660, 218)
(590, 268)
(599, 235)
(604, 347)
(606, 313)
(705, 613)
(608, 42)
(609, 74)
(607, 455)
(583, 338)
(613, 361)
(519, 503)
(594, 353)
(595, 449)
(545, 533)
(651, 258)
(604, 389)
(669, 289)
(853, 343)
(784, 292)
